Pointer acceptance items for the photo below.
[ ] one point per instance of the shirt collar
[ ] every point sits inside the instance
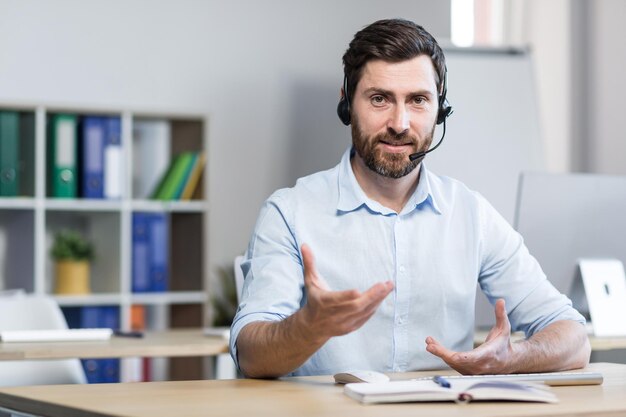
(352, 196)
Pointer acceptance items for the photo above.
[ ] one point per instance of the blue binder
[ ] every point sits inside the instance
(113, 160)
(96, 370)
(109, 368)
(92, 140)
(159, 251)
(141, 253)
(90, 318)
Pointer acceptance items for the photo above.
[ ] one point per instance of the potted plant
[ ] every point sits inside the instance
(72, 254)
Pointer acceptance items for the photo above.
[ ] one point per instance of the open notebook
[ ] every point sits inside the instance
(460, 391)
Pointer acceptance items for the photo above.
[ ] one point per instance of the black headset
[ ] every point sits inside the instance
(445, 110)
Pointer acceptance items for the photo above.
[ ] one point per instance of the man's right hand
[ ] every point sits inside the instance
(330, 313)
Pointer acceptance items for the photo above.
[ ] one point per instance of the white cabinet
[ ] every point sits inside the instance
(29, 220)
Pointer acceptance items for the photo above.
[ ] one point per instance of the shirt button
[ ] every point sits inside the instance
(399, 321)
(402, 269)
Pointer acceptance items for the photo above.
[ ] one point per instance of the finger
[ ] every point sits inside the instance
(437, 349)
(353, 313)
(502, 328)
(352, 302)
(340, 299)
(362, 312)
(502, 320)
(311, 277)
(377, 292)
(362, 315)
(362, 319)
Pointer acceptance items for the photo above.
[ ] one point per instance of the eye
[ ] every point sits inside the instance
(419, 100)
(378, 100)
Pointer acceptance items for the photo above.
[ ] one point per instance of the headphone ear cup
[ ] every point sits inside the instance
(343, 111)
(443, 113)
(445, 110)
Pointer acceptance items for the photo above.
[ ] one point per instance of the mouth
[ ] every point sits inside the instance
(395, 147)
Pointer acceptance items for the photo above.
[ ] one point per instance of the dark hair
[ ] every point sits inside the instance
(391, 40)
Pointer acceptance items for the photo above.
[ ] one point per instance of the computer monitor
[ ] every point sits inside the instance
(565, 217)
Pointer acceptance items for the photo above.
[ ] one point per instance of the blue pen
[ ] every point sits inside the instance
(441, 381)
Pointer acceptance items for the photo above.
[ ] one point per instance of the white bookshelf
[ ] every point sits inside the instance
(29, 221)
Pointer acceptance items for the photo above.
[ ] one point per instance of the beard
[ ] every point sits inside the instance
(390, 165)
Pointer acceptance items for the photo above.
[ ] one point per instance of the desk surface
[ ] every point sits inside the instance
(308, 396)
(597, 343)
(170, 343)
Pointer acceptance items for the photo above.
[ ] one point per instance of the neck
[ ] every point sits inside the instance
(392, 193)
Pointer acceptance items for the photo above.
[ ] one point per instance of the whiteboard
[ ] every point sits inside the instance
(494, 132)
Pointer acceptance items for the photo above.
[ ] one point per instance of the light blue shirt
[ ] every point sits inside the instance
(445, 240)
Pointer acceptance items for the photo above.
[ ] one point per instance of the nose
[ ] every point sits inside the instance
(399, 121)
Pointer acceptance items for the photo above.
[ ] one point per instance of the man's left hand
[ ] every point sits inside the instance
(495, 356)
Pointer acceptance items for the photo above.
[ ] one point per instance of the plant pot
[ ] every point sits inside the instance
(72, 277)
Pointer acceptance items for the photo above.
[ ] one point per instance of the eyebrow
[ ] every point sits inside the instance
(390, 93)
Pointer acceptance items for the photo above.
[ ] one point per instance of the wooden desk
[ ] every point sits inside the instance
(170, 343)
(597, 343)
(310, 396)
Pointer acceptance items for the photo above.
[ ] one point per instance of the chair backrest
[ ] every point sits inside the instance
(239, 276)
(36, 312)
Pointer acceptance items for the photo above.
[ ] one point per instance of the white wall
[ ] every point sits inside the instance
(547, 31)
(266, 72)
(606, 61)
(580, 57)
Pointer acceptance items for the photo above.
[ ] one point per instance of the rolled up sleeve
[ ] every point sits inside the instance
(273, 275)
(510, 272)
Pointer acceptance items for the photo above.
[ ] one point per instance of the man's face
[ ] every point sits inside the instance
(394, 110)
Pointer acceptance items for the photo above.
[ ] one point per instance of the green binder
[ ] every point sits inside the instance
(9, 153)
(62, 150)
(175, 176)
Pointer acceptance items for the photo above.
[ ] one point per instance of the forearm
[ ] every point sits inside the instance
(560, 346)
(273, 349)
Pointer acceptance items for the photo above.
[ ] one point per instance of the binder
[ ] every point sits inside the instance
(140, 253)
(113, 161)
(96, 370)
(109, 317)
(158, 191)
(158, 236)
(190, 162)
(151, 155)
(26, 160)
(92, 370)
(9, 153)
(72, 317)
(62, 146)
(92, 140)
(194, 177)
(174, 177)
(135, 368)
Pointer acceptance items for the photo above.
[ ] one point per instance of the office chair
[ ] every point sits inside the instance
(225, 366)
(34, 312)
(238, 276)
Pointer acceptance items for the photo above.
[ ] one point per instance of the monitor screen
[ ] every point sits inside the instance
(566, 217)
